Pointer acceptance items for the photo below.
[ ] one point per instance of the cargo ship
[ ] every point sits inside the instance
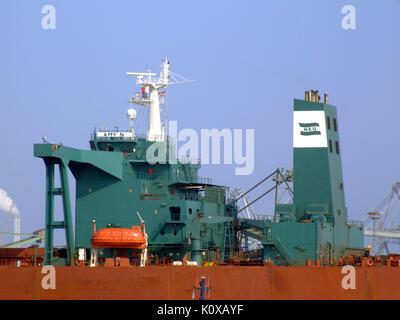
(147, 226)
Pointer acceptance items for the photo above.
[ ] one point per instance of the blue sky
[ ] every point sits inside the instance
(249, 59)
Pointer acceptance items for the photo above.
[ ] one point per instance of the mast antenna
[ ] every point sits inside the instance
(149, 96)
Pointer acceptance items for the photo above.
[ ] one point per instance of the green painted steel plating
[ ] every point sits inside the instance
(185, 214)
(315, 225)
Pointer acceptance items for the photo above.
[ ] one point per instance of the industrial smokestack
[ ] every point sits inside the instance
(8, 206)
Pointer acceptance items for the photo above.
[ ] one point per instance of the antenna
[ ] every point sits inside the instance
(140, 74)
(152, 98)
(141, 220)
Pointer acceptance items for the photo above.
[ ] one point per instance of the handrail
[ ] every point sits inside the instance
(355, 223)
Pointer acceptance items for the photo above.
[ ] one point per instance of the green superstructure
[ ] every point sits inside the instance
(187, 217)
(183, 212)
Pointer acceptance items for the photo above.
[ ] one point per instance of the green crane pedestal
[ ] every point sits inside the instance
(51, 192)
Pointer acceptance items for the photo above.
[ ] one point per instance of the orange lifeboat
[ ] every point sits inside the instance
(119, 238)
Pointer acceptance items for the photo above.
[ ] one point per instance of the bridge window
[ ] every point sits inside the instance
(330, 145)
(334, 124)
(328, 123)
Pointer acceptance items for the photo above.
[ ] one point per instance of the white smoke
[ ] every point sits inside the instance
(7, 204)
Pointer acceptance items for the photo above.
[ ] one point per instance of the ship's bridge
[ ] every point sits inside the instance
(123, 141)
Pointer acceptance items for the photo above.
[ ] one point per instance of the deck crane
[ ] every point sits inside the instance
(382, 226)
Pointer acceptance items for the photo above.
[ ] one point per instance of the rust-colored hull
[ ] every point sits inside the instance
(176, 283)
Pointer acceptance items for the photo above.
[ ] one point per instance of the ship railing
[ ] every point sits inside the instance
(153, 177)
(134, 137)
(264, 217)
(203, 180)
(186, 196)
(147, 79)
(355, 223)
(149, 176)
(145, 99)
(199, 180)
(303, 262)
(145, 176)
(185, 160)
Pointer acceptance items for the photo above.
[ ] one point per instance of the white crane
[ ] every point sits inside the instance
(248, 212)
(383, 224)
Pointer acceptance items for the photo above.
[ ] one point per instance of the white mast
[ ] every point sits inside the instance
(150, 97)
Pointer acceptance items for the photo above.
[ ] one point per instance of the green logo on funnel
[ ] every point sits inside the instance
(309, 129)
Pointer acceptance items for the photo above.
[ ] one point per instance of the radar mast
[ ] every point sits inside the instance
(149, 96)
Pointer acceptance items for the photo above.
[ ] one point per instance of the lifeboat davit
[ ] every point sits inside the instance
(119, 238)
